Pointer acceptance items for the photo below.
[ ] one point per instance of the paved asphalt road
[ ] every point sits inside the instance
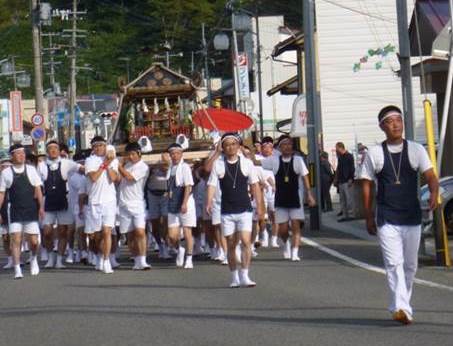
(320, 301)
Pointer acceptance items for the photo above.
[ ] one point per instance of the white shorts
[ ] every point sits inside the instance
(63, 217)
(188, 219)
(232, 223)
(157, 206)
(283, 215)
(26, 227)
(215, 214)
(99, 215)
(3, 229)
(131, 219)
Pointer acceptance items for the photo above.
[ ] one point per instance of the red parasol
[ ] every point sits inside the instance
(221, 119)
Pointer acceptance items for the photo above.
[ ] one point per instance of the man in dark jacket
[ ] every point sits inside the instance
(344, 179)
(327, 175)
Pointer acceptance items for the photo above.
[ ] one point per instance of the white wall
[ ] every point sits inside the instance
(277, 107)
(351, 100)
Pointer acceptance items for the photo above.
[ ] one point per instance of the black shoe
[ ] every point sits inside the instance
(340, 213)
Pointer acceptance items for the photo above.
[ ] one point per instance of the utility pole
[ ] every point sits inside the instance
(206, 65)
(258, 63)
(73, 87)
(13, 63)
(37, 63)
(314, 114)
(406, 70)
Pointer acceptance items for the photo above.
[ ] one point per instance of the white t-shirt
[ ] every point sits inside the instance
(132, 193)
(183, 174)
(218, 171)
(76, 183)
(67, 168)
(77, 186)
(272, 164)
(374, 160)
(6, 176)
(103, 190)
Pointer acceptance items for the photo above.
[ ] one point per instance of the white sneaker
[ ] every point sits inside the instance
(235, 282)
(60, 264)
(137, 264)
(77, 257)
(17, 272)
(44, 255)
(180, 257)
(69, 259)
(34, 267)
(107, 267)
(274, 242)
(144, 264)
(189, 263)
(70, 256)
(265, 239)
(51, 261)
(224, 262)
(287, 250)
(245, 280)
(9, 264)
(254, 253)
(113, 261)
(295, 255)
(99, 264)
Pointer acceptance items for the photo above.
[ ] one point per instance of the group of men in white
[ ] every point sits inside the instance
(219, 206)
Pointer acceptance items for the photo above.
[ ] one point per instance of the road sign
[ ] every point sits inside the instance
(38, 133)
(16, 111)
(37, 119)
(27, 140)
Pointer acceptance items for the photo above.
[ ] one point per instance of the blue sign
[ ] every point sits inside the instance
(71, 143)
(38, 133)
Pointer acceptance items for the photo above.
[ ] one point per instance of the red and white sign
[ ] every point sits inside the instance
(37, 119)
(300, 117)
(16, 122)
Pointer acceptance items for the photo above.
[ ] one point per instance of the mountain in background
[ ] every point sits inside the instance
(135, 29)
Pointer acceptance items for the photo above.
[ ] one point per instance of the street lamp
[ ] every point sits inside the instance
(221, 41)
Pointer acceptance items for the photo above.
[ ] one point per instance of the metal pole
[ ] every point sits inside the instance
(259, 79)
(73, 91)
(192, 61)
(406, 71)
(167, 59)
(37, 63)
(314, 117)
(206, 67)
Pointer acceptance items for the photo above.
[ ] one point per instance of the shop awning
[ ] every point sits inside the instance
(288, 87)
(290, 44)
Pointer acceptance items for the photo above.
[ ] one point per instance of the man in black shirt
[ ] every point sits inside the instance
(344, 179)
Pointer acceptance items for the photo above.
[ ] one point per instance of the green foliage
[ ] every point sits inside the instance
(120, 28)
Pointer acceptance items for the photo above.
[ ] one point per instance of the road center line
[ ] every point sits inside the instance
(368, 266)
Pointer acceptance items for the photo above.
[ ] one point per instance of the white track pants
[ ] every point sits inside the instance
(399, 245)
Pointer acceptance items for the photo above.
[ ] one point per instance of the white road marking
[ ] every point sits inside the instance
(368, 266)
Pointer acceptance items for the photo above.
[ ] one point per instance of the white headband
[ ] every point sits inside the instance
(231, 137)
(98, 142)
(284, 140)
(388, 115)
(17, 149)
